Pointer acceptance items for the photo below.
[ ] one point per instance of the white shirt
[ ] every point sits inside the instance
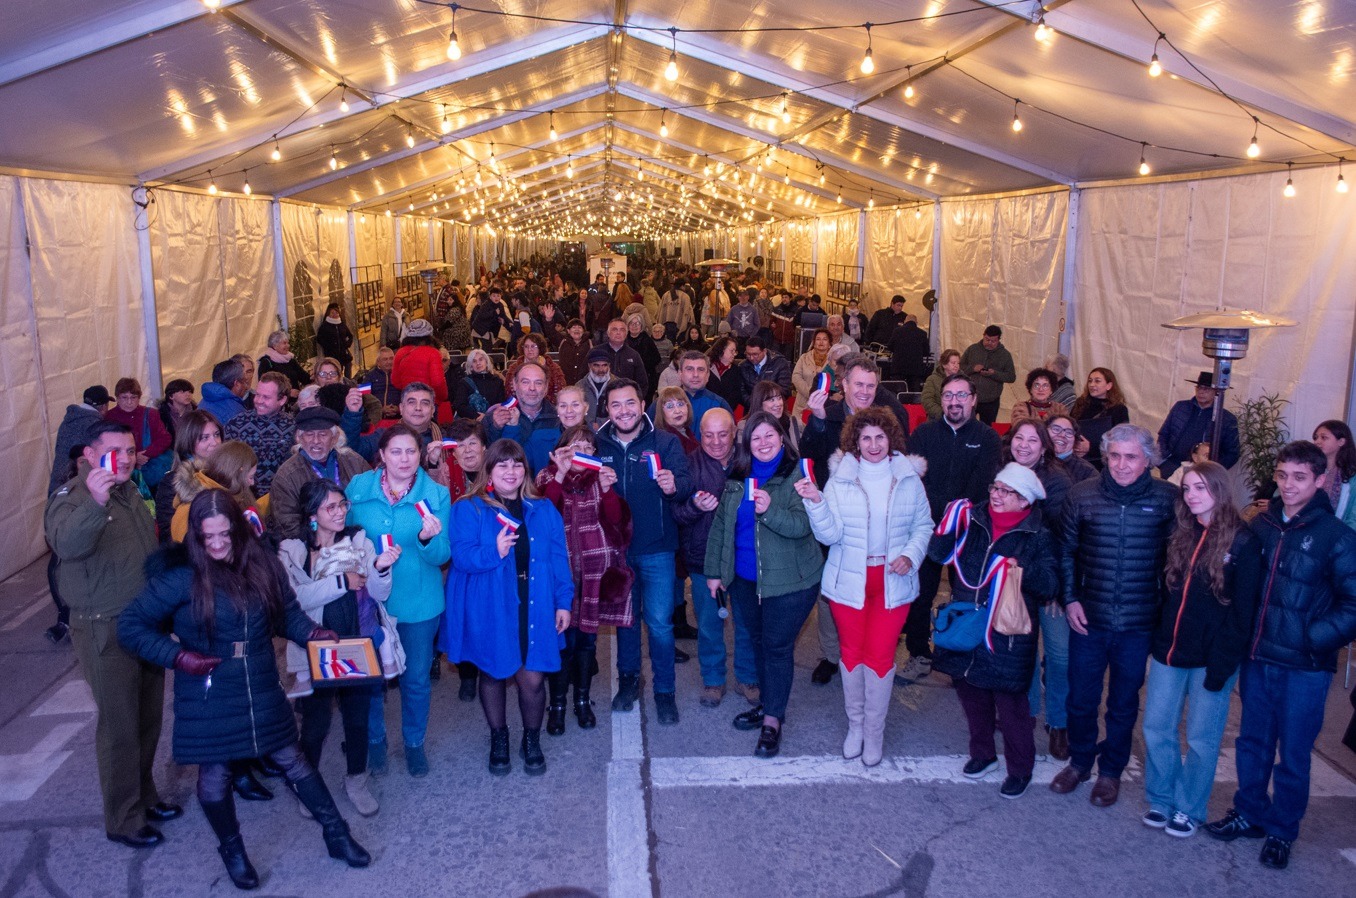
(876, 477)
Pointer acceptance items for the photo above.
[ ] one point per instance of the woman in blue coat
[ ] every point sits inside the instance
(387, 501)
(508, 597)
(224, 596)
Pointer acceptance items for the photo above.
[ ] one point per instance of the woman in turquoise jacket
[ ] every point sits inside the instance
(387, 501)
(508, 597)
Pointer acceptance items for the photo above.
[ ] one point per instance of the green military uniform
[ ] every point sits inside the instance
(102, 550)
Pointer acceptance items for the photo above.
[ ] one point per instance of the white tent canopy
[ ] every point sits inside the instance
(558, 120)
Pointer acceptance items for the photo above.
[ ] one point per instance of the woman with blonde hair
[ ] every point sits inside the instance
(673, 413)
(479, 388)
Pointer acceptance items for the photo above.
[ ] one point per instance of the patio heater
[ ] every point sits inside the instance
(1225, 340)
(717, 268)
(429, 275)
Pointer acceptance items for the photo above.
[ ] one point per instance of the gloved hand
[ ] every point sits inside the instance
(320, 634)
(195, 663)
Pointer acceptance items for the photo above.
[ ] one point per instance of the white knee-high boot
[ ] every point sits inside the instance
(878, 691)
(854, 703)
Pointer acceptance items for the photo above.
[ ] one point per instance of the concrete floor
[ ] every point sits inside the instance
(633, 809)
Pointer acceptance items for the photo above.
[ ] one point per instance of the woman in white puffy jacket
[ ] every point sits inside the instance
(874, 517)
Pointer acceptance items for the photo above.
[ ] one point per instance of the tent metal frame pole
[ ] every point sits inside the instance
(279, 264)
(1070, 282)
(935, 318)
(148, 309)
(861, 243)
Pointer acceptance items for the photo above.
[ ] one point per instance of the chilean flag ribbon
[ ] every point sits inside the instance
(584, 460)
(505, 519)
(956, 520)
(109, 462)
(332, 667)
(750, 485)
(256, 523)
(385, 543)
(425, 510)
(807, 469)
(652, 459)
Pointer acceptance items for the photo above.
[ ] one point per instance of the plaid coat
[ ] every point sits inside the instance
(597, 533)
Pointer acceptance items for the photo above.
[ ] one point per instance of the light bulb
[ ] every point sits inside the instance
(334, 161)
(871, 203)
(1016, 122)
(1043, 31)
(1253, 149)
(554, 135)
(343, 98)
(671, 70)
(1341, 184)
(248, 189)
(409, 138)
(453, 47)
(840, 195)
(1289, 188)
(663, 127)
(277, 152)
(868, 64)
(1143, 166)
(1155, 67)
(908, 91)
(212, 188)
(211, 4)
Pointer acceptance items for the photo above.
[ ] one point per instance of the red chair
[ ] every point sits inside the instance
(916, 415)
(1002, 427)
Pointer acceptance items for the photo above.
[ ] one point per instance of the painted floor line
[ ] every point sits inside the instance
(73, 697)
(628, 841)
(1349, 854)
(22, 775)
(18, 620)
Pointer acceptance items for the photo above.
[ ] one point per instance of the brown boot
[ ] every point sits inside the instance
(1068, 779)
(1105, 791)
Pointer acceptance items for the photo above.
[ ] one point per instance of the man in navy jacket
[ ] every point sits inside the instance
(1192, 421)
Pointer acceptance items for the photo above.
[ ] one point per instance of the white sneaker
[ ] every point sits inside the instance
(917, 668)
(1181, 826)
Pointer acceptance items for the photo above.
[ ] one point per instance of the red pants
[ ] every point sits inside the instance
(870, 636)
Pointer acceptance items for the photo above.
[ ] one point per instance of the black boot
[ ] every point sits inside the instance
(221, 816)
(500, 761)
(245, 785)
(534, 762)
(313, 793)
(266, 766)
(559, 684)
(583, 680)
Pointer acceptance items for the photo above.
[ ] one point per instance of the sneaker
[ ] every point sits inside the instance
(1014, 786)
(1233, 826)
(680, 656)
(1181, 825)
(712, 696)
(1275, 853)
(666, 708)
(917, 668)
(1154, 819)
(977, 767)
(628, 692)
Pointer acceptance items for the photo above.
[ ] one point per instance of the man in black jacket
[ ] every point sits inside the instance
(762, 363)
(884, 322)
(909, 351)
(1114, 535)
(963, 455)
(1307, 611)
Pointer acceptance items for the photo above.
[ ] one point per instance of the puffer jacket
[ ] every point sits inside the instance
(1307, 610)
(1114, 540)
(654, 527)
(1009, 667)
(694, 525)
(840, 522)
(789, 560)
(244, 713)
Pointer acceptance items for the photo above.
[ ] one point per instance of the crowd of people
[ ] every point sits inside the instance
(503, 521)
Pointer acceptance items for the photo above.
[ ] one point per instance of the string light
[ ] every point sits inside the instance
(1341, 181)
(248, 189)
(839, 198)
(212, 4)
(334, 160)
(211, 183)
(277, 151)
(1253, 149)
(1043, 31)
(343, 98)
(569, 167)
(1016, 119)
(868, 64)
(1289, 190)
(554, 135)
(671, 70)
(453, 45)
(663, 123)
(786, 110)
(908, 88)
(821, 174)
(446, 123)
(1155, 67)
(409, 136)
(1143, 165)
(871, 202)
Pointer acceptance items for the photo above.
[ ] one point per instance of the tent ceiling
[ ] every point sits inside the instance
(170, 93)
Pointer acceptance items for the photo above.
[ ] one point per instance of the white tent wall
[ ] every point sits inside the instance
(1148, 254)
(1003, 263)
(315, 252)
(801, 236)
(70, 307)
(898, 259)
(413, 240)
(838, 236)
(374, 237)
(215, 280)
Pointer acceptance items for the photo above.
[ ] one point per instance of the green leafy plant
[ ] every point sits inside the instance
(1261, 434)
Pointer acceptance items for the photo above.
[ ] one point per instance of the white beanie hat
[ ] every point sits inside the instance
(1023, 480)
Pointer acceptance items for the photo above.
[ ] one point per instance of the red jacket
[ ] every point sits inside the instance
(420, 364)
(137, 420)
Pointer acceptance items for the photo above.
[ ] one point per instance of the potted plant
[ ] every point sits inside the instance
(1261, 434)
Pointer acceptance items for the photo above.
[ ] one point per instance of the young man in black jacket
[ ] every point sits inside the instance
(1307, 611)
(963, 455)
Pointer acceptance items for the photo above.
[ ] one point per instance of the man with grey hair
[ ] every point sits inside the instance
(1114, 533)
(1065, 392)
(838, 336)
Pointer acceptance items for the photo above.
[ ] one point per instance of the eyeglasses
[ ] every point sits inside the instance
(327, 375)
(997, 489)
(1060, 431)
(954, 397)
(674, 403)
(331, 507)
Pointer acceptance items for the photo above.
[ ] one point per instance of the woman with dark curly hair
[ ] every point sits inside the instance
(875, 520)
(1040, 386)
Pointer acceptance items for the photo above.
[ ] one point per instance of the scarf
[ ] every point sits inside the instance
(597, 550)
(279, 358)
(333, 319)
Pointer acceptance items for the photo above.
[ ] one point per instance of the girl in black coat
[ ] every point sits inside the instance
(993, 682)
(225, 596)
(334, 338)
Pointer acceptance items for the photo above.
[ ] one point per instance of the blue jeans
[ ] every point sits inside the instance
(1170, 785)
(1055, 639)
(1281, 707)
(1090, 657)
(415, 687)
(652, 598)
(773, 625)
(711, 640)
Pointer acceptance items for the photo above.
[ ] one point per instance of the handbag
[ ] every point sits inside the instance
(960, 626)
(1010, 617)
